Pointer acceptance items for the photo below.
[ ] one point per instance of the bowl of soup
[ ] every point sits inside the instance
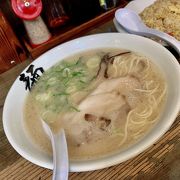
(113, 94)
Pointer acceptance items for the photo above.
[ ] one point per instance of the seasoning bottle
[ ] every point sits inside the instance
(29, 11)
(55, 12)
(108, 4)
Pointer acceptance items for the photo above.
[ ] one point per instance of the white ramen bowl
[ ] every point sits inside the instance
(13, 107)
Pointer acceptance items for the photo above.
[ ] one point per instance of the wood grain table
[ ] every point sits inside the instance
(161, 161)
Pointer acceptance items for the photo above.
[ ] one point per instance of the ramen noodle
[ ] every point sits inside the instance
(106, 100)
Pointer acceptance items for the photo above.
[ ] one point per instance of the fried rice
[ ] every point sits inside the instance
(163, 15)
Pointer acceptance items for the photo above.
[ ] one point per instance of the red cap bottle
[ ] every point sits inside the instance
(29, 11)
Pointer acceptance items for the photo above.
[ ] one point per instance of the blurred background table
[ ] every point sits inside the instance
(161, 161)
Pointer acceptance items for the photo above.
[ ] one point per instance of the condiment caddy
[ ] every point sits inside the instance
(71, 30)
(11, 51)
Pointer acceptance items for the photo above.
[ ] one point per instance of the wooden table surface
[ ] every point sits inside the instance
(161, 161)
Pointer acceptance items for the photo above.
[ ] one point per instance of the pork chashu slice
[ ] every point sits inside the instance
(104, 109)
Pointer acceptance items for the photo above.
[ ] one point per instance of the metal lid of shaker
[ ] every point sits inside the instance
(27, 9)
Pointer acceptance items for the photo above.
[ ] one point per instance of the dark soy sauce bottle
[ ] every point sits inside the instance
(55, 12)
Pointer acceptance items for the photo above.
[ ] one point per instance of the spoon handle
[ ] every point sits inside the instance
(167, 38)
(60, 156)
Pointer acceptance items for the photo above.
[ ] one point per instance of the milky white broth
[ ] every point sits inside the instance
(105, 99)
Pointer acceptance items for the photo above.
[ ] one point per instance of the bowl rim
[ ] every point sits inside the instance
(113, 159)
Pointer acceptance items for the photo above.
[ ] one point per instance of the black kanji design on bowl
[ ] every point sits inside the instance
(31, 76)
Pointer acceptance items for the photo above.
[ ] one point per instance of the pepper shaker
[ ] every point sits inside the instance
(29, 11)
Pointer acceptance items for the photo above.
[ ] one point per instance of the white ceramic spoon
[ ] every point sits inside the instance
(60, 153)
(132, 22)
